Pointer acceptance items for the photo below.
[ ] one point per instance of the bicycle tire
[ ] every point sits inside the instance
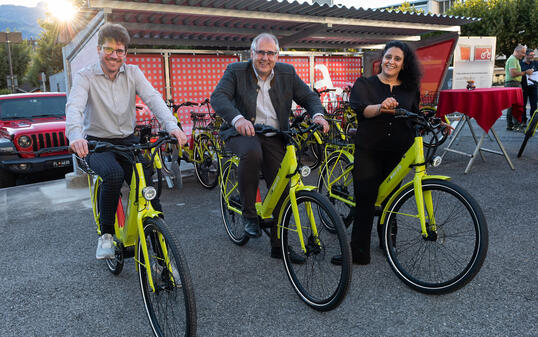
(454, 251)
(319, 283)
(171, 309)
(229, 192)
(335, 166)
(529, 132)
(115, 265)
(205, 162)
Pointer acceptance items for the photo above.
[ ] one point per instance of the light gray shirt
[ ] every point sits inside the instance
(265, 112)
(100, 107)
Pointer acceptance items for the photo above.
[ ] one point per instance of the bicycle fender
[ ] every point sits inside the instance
(345, 153)
(395, 194)
(287, 200)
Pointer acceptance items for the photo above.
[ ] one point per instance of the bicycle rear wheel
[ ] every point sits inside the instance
(336, 179)
(319, 283)
(171, 308)
(230, 204)
(206, 162)
(456, 245)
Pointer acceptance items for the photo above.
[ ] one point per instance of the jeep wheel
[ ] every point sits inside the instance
(7, 179)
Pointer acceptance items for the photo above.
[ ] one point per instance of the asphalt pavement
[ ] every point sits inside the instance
(52, 285)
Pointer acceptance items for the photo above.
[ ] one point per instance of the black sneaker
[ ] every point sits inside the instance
(252, 227)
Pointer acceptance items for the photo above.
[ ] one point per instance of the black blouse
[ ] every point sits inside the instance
(383, 132)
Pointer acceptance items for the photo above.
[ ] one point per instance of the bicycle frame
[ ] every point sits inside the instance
(287, 176)
(129, 226)
(414, 157)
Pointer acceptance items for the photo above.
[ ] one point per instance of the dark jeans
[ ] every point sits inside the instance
(371, 168)
(511, 121)
(258, 153)
(114, 169)
(530, 94)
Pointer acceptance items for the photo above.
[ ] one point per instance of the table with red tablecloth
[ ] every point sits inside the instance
(485, 105)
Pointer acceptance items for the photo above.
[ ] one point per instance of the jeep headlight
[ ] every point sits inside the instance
(24, 141)
(6, 146)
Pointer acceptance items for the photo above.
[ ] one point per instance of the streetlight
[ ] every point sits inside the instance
(12, 37)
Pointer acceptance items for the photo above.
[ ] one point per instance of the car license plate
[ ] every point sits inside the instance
(61, 163)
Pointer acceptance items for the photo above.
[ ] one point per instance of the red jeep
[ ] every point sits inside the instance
(30, 125)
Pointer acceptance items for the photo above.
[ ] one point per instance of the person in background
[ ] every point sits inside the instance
(381, 139)
(101, 106)
(261, 91)
(530, 91)
(512, 78)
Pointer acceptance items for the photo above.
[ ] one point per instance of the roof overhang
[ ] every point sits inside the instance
(232, 24)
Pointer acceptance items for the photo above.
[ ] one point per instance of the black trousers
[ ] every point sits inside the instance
(114, 169)
(371, 168)
(530, 94)
(257, 153)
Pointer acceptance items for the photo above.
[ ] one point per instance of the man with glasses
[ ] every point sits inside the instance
(102, 106)
(512, 78)
(261, 91)
(529, 87)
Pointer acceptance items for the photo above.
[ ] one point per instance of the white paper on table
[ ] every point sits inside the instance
(532, 77)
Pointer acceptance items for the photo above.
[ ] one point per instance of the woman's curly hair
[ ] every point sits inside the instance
(410, 74)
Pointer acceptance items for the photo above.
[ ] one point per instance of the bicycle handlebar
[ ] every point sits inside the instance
(101, 146)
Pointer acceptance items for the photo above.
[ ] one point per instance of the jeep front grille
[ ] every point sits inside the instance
(50, 139)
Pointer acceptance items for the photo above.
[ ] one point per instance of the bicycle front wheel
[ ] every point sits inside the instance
(206, 162)
(319, 283)
(455, 247)
(170, 306)
(230, 204)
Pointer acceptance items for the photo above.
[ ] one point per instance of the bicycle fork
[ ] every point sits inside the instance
(296, 184)
(424, 204)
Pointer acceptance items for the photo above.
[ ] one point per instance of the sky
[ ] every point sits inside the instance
(348, 3)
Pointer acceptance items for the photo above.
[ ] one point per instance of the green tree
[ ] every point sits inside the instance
(407, 7)
(47, 57)
(20, 56)
(511, 21)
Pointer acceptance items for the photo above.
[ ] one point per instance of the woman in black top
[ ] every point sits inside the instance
(381, 139)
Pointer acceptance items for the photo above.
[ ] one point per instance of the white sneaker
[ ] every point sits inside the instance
(105, 247)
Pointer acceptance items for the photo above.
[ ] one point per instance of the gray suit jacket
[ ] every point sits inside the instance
(236, 94)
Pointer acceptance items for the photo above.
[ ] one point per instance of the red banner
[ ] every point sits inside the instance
(434, 59)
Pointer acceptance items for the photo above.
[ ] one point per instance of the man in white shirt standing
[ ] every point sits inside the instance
(102, 106)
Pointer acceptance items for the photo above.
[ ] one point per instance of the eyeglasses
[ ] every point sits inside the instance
(110, 50)
(269, 53)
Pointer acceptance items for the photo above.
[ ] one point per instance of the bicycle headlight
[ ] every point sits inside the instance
(436, 161)
(24, 141)
(149, 193)
(305, 171)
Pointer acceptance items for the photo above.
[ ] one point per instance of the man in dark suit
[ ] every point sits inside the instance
(260, 91)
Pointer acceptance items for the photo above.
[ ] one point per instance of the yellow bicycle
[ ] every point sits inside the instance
(319, 283)
(142, 233)
(433, 232)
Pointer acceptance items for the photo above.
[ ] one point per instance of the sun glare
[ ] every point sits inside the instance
(63, 10)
